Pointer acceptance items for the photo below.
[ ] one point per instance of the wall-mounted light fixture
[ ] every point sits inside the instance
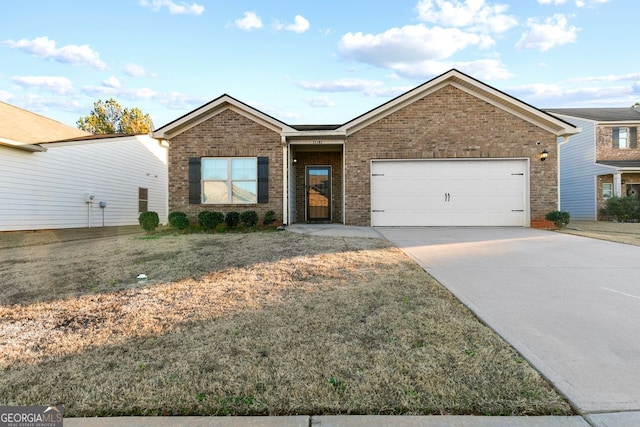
(544, 155)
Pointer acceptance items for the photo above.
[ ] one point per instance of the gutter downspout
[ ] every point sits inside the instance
(565, 139)
(285, 181)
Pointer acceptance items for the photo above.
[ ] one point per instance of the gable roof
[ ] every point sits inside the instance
(600, 114)
(24, 129)
(213, 108)
(475, 88)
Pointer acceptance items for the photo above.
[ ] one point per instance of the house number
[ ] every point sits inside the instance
(317, 142)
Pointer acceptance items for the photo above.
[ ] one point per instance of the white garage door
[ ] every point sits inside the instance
(449, 192)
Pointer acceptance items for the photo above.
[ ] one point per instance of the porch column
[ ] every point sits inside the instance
(617, 184)
(285, 181)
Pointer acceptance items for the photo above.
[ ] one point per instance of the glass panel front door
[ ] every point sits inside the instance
(318, 193)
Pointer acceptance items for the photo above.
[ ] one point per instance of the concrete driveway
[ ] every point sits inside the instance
(570, 305)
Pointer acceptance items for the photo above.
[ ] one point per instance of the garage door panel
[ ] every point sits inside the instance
(448, 192)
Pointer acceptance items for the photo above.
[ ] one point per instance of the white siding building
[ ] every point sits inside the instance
(53, 188)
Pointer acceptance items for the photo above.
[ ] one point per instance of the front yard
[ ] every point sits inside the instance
(248, 324)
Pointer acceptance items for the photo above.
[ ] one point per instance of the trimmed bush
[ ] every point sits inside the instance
(149, 221)
(269, 217)
(209, 220)
(559, 218)
(249, 218)
(623, 209)
(232, 219)
(178, 220)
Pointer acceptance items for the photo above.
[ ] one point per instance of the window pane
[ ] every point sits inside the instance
(623, 137)
(243, 168)
(607, 190)
(142, 206)
(214, 169)
(215, 192)
(245, 192)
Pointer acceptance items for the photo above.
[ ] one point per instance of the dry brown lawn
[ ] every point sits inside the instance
(628, 232)
(248, 324)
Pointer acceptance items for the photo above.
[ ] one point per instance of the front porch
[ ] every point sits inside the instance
(316, 185)
(621, 183)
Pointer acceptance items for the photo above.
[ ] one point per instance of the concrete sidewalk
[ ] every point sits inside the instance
(335, 421)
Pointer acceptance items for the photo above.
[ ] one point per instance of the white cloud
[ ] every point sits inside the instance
(371, 88)
(135, 70)
(483, 69)
(554, 31)
(300, 26)
(406, 45)
(249, 22)
(556, 2)
(174, 8)
(634, 77)
(472, 14)
(320, 101)
(341, 85)
(555, 96)
(73, 54)
(111, 82)
(57, 85)
(589, 3)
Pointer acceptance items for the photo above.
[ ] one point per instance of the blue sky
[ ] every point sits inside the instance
(310, 62)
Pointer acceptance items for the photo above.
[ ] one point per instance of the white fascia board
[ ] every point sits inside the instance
(545, 121)
(207, 111)
(311, 134)
(21, 146)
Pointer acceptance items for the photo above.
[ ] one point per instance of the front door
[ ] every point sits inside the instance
(318, 193)
(633, 190)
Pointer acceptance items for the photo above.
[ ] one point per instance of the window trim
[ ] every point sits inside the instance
(229, 181)
(142, 199)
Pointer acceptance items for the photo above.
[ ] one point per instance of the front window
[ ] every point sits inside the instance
(229, 180)
(143, 199)
(607, 190)
(625, 137)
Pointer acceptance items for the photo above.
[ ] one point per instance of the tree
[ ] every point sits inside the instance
(108, 117)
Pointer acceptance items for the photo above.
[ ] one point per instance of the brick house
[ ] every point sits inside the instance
(452, 151)
(603, 160)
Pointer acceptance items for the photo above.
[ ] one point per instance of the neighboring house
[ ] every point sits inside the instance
(600, 162)
(453, 151)
(55, 176)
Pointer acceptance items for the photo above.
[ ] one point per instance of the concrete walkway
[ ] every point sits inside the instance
(570, 305)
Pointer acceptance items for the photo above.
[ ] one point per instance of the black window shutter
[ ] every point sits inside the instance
(194, 181)
(263, 179)
(633, 137)
(616, 137)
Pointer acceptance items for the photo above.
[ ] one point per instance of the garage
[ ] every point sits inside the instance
(452, 192)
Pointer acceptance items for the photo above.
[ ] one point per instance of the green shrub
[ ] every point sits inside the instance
(209, 220)
(178, 220)
(623, 209)
(249, 218)
(559, 218)
(269, 217)
(232, 219)
(149, 221)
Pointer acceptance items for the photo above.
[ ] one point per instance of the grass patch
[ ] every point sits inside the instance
(250, 324)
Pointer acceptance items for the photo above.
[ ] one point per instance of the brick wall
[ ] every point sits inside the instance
(449, 123)
(227, 134)
(605, 150)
